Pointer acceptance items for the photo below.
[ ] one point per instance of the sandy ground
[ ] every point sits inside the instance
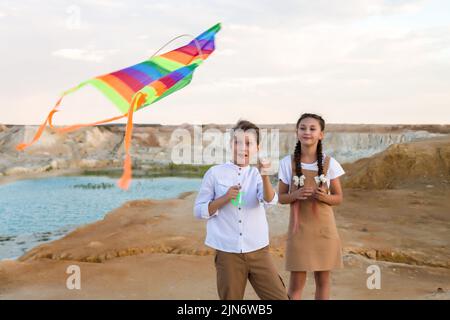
(181, 276)
(154, 250)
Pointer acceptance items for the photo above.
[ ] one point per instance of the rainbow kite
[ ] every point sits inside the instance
(138, 86)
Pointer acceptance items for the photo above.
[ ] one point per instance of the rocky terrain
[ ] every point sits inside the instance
(101, 147)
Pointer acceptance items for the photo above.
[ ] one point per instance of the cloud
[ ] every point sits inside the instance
(389, 7)
(83, 54)
(106, 3)
(226, 52)
(11, 9)
(246, 28)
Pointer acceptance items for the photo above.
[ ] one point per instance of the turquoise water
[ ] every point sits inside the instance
(36, 211)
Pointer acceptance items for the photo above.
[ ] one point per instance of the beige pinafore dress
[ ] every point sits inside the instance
(313, 242)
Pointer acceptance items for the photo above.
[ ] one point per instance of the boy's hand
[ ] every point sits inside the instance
(264, 166)
(303, 193)
(232, 192)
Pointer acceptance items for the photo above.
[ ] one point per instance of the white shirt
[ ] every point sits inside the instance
(335, 170)
(235, 227)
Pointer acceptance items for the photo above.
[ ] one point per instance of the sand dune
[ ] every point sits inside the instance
(409, 164)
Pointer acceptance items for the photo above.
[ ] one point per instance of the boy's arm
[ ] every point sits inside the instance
(267, 194)
(223, 200)
(204, 197)
(205, 205)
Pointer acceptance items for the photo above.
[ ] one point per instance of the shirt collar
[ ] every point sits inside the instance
(236, 167)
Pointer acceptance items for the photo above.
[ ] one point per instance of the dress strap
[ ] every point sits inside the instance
(294, 171)
(326, 165)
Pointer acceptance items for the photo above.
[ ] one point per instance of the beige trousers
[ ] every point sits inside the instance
(233, 270)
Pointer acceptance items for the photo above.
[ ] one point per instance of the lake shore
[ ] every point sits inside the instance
(157, 170)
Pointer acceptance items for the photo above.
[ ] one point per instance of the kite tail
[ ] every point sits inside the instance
(22, 146)
(82, 125)
(137, 101)
(125, 180)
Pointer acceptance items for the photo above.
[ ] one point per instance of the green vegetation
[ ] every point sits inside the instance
(155, 170)
(89, 185)
(161, 170)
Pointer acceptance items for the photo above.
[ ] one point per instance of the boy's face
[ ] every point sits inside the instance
(244, 147)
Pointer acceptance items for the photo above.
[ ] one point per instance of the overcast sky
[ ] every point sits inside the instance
(352, 61)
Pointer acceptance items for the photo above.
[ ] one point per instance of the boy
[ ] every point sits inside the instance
(232, 198)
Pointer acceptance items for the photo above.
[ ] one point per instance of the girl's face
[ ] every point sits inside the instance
(309, 132)
(244, 147)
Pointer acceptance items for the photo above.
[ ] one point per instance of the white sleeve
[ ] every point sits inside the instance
(284, 171)
(335, 170)
(204, 197)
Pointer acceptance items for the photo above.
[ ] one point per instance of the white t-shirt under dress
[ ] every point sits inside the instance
(335, 170)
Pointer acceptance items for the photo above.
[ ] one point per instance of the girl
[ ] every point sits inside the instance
(309, 182)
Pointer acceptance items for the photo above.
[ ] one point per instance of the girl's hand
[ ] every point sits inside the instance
(303, 193)
(321, 194)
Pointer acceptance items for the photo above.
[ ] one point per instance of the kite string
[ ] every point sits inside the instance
(178, 37)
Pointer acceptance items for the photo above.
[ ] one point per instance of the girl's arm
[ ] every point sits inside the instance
(336, 196)
(284, 197)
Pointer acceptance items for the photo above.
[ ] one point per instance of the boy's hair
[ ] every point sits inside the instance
(245, 125)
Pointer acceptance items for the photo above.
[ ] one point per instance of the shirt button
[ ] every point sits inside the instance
(240, 234)
(240, 221)
(239, 208)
